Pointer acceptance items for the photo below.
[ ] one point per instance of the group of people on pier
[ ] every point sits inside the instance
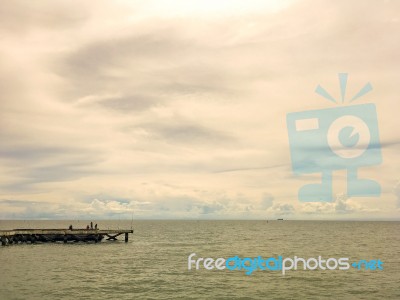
(91, 226)
(87, 227)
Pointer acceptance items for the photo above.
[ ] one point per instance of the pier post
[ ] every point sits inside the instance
(126, 237)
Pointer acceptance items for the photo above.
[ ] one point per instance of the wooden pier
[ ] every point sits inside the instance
(33, 236)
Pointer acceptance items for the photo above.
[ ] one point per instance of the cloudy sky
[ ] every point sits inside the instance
(177, 109)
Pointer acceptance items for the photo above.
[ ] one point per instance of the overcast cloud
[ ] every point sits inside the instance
(177, 109)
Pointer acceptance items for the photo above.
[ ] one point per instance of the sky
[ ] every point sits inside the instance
(177, 109)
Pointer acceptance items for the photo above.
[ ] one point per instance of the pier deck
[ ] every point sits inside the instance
(32, 236)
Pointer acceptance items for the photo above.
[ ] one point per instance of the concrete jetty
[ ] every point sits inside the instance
(33, 236)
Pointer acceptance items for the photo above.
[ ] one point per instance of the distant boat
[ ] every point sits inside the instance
(280, 219)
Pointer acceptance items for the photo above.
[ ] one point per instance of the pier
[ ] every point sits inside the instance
(33, 236)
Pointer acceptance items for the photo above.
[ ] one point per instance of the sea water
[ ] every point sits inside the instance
(154, 263)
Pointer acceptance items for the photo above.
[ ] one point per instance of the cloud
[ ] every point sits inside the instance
(180, 131)
(397, 193)
(282, 209)
(104, 207)
(317, 208)
(341, 205)
(156, 63)
(184, 109)
(108, 207)
(267, 201)
(46, 164)
(213, 208)
(22, 209)
(22, 17)
(129, 103)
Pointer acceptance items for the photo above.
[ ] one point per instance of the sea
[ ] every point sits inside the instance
(154, 262)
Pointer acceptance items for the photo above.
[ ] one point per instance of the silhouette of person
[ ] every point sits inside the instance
(95, 226)
(91, 225)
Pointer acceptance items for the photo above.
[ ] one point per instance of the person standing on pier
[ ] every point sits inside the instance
(91, 225)
(95, 226)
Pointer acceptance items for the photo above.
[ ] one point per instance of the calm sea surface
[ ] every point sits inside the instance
(153, 265)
